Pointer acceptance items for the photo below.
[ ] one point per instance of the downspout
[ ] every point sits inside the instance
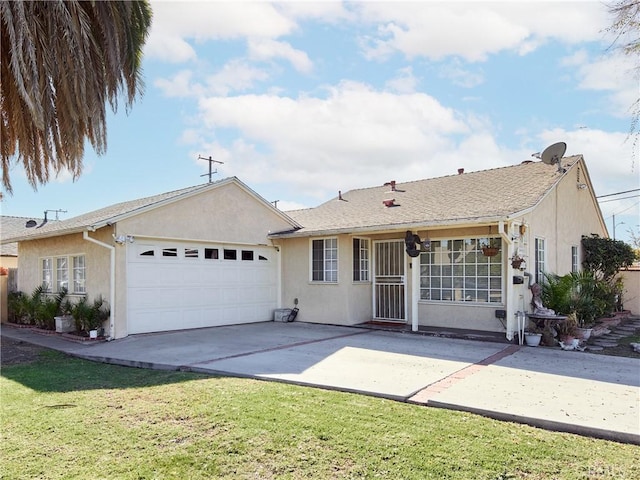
(112, 279)
(511, 315)
(279, 276)
(415, 292)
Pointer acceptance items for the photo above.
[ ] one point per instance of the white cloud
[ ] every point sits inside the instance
(612, 73)
(404, 82)
(354, 137)
(461, 76)
(474, 30)
(180, 85)
(266, 49)
(170, 48)
(174, 22)
(235, 76)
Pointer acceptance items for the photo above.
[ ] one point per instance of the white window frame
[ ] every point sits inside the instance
(79, 276)
(361, 260)
(329, 272)
(46, 270)
(540, 259)
(460, 273)
(61, 271)
(62, 274)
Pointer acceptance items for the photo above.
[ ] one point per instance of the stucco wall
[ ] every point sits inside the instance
(344, 302)
(8, 262)
(97, 262)
(225, 214)
(562, 218)
(631, 294)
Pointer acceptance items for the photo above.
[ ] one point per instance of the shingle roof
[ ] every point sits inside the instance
(119, 211)
(12, 227)
(456, 199)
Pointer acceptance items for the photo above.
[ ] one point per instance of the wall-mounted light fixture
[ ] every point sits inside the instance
(581, 186)
(122, 239)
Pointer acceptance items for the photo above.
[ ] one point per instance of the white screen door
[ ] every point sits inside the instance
(389, 280)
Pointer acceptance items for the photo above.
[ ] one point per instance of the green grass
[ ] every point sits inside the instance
(68, 418)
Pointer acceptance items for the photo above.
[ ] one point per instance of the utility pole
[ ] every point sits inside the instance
(211, 162)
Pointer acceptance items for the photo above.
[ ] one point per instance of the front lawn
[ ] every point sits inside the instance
(68, 418)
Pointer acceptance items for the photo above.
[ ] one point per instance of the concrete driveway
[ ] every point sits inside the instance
(570, 391)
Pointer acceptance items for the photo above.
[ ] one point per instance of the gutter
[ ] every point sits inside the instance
(112, 279)
(400, 227)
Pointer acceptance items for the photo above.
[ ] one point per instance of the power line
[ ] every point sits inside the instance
(616, 199)
(618, 193)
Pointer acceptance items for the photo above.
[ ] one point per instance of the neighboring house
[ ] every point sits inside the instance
(219, 254)
(10, 227)
(13, 227)
(348, 264)
(191, 258)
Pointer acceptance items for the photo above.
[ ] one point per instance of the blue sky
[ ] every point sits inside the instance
(302, 99)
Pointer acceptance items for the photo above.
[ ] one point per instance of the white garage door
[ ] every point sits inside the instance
(173, 286)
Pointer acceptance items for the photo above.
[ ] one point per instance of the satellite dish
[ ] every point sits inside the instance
(553, 154)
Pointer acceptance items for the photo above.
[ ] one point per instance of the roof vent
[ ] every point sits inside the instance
(391, 184)
(460, 171)
(389, 203)
(30, 223)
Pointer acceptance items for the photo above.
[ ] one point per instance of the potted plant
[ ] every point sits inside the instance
(533, 334)
(532, 338)
(517, 262)
(568, 329)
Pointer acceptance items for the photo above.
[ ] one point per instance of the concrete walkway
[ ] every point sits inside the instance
(571, 391)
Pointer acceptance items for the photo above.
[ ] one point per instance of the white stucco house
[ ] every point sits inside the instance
(219, 254)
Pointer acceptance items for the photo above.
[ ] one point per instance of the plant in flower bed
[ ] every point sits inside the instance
(582, 293)
(38, 309)
(69, 418)
(89, 315)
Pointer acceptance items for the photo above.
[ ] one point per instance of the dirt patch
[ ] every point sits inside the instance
(15, 352)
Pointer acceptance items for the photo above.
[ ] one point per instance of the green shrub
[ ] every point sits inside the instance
(582, 293)
(90, 315)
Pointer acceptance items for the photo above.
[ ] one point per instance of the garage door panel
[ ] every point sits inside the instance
(172, 293)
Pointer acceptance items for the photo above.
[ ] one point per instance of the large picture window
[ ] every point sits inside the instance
(457, 271)
(360, 260)
(58, 271)
(324, 260)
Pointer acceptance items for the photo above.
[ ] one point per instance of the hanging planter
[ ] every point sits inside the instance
(490, 251)
(490, 247)
(517, 262)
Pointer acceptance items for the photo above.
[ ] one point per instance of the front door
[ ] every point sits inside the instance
(389, 280)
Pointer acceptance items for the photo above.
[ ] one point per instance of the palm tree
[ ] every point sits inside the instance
(61, 62)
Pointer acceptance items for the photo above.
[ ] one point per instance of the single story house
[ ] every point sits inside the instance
(219, 254)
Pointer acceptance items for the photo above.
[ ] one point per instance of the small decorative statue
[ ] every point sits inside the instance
(536, 302)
